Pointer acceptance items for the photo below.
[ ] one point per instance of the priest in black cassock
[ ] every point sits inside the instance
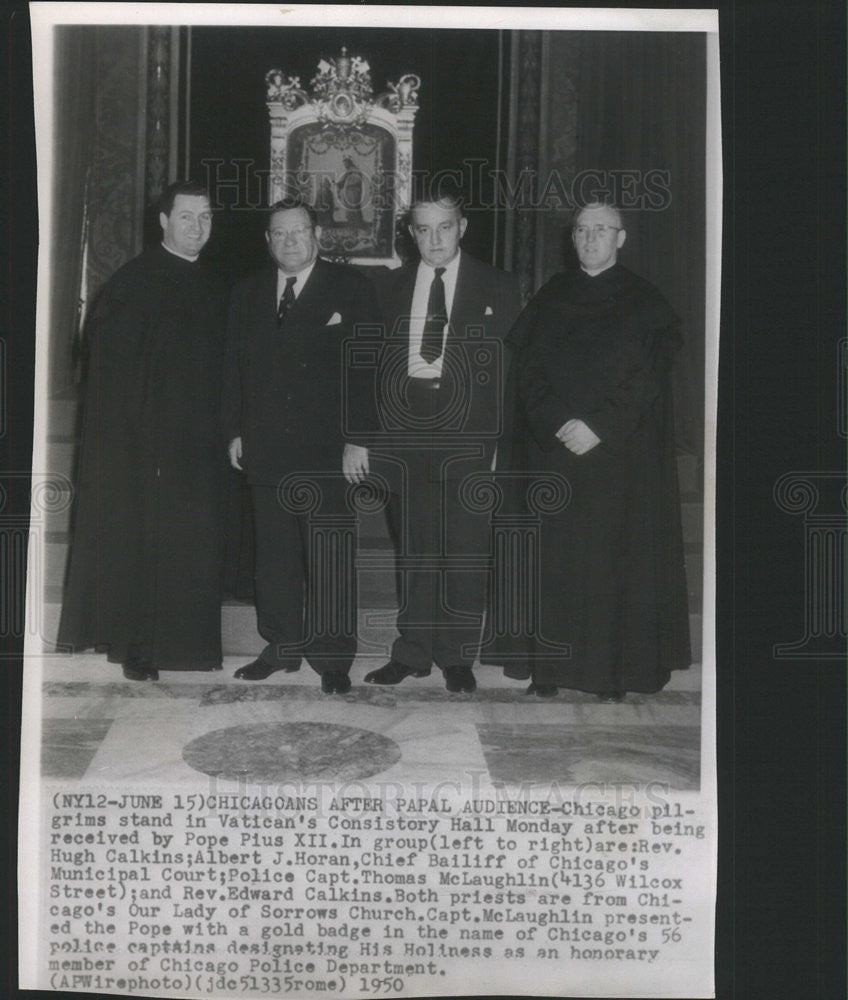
(144, 575)
(594, 350)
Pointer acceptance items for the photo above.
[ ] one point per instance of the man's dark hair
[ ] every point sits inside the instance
(169, 195)
(439, 189)
(286, 204)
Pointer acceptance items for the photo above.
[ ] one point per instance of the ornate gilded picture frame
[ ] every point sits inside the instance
(347, 152)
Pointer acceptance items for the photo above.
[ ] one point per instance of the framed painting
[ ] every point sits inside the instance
(347, 152)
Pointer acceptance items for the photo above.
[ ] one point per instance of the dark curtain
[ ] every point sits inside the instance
(641, 108)
(75, 96)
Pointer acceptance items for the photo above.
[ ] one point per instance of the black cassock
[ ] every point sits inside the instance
(612, 583)
(145, 563)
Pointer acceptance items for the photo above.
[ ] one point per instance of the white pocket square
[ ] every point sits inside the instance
(488, 311)
(334, 319)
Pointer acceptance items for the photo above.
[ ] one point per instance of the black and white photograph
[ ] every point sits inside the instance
(371, 592)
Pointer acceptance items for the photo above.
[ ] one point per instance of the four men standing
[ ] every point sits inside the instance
(592, 356)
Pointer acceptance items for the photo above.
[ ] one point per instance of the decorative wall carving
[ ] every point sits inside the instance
(158, 110)
(545, 94)
(527, 154)
(557, 154)
(115, 228)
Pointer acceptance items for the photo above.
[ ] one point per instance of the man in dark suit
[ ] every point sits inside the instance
(288, 325)
(439, 401)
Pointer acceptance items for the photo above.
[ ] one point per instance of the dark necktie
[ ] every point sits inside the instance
(286, 301)
(437, 316)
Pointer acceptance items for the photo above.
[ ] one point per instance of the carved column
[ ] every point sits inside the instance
(158, 110)
(522, 168)
(115, 194)
(821, 498)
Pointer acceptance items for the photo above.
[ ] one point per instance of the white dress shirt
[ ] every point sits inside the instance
(418, 367)
(297, 287)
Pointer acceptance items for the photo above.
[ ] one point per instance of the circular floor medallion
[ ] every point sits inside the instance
(271, 752)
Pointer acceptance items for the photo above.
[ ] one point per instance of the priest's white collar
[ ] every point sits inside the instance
(183, 255)
(594, 274)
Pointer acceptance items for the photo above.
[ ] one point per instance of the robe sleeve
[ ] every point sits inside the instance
(544, 408)
(545, 411)
(509, 308)
(232, 388)
(639, 378)
(121, 357)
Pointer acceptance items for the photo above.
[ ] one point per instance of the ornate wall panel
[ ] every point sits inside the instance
(157, 153)
(545, 71)
(557, 153)
(116, 195)
(522, 168)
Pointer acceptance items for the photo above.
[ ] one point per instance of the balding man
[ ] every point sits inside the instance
(595, 405)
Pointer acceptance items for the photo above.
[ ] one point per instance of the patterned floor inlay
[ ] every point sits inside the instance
(68, 745)
(239, 691)
(121, 689)
(271, 753)
(576, 755)
(408, 692)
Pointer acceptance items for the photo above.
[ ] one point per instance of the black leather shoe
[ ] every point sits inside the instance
(393, 673)
(259, 669)
(611, 697)
(459, 679)
(335, 683)
(140, 670)
(542, 690)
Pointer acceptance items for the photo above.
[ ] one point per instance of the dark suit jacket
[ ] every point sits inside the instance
(463, 438)
(288, 395)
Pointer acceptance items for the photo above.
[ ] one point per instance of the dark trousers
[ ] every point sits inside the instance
(302, 610)
(442, 551)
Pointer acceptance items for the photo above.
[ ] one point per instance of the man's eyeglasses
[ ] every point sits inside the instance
(281, 235)
(599, 232)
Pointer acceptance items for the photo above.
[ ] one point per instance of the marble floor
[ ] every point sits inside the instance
(190, 726)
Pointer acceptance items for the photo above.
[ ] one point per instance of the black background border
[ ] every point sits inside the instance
(781, 920)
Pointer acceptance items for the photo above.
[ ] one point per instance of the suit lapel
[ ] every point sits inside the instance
(268, 294)
(310, 294)
(466, 312)
(311, 299)
(400, 307)
(468, 301)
